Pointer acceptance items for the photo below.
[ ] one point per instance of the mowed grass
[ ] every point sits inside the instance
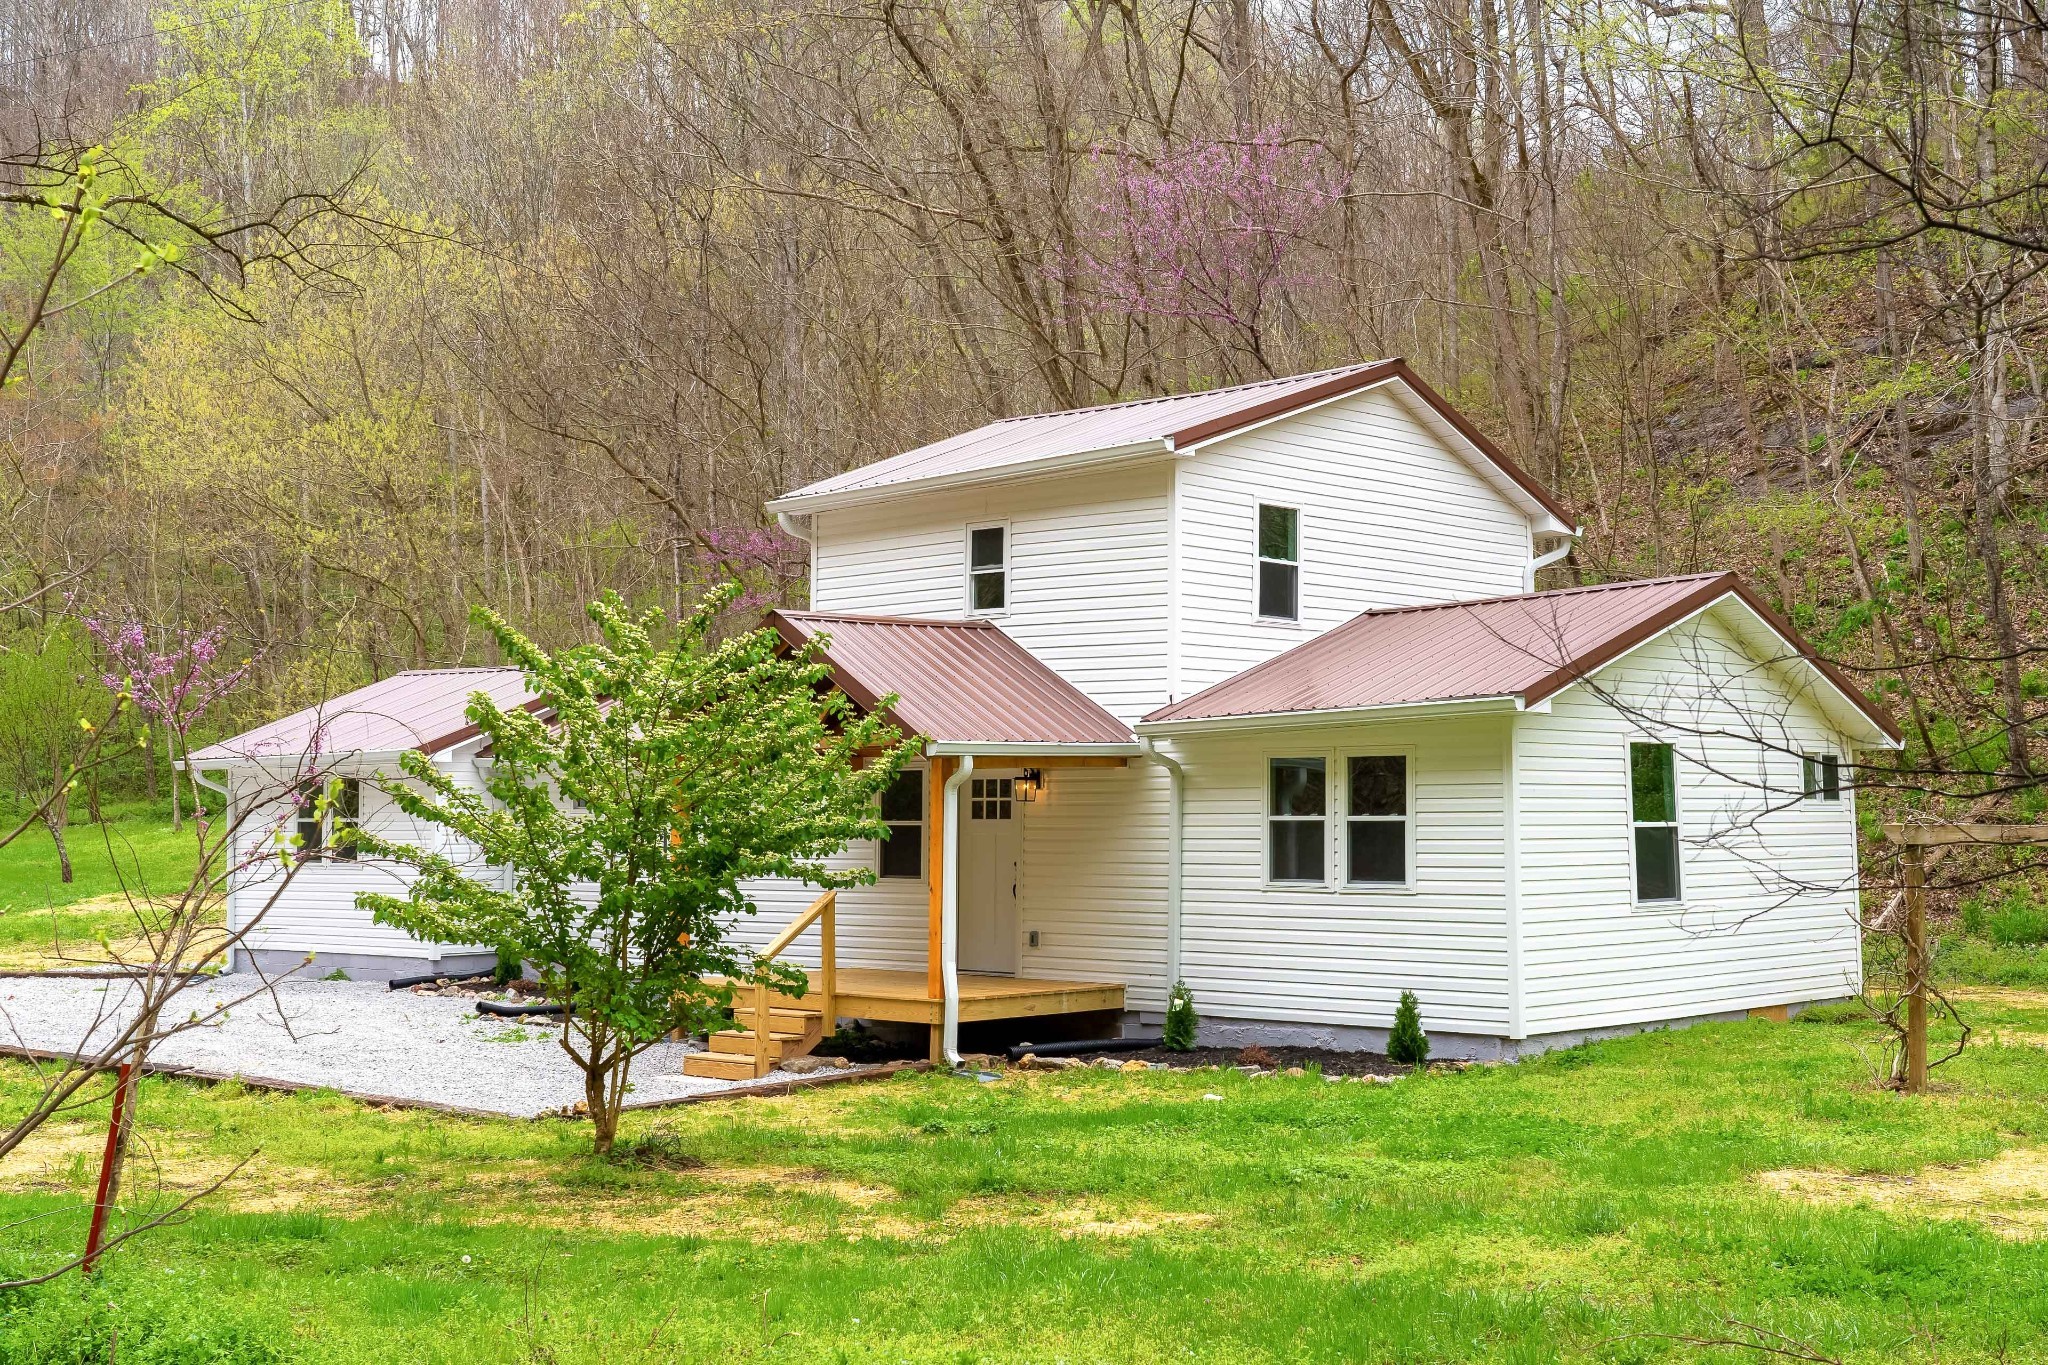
(1634, 1200)
(44, 919)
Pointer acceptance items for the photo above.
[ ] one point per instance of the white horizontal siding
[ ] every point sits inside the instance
(1093, 880)
(880, 926)
(1329, 954)
(1088, 568)
(1390, 516)
(315, 910)
(1770, 907)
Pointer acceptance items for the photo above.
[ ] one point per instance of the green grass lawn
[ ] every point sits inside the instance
(1627, 1201)
(135, 848)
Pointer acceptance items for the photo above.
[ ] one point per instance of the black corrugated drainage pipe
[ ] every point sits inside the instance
(399, 983)
(506, 1010)
(1078, 1049)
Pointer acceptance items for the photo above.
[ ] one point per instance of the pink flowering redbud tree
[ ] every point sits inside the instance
(1208, 233)
(171, 686)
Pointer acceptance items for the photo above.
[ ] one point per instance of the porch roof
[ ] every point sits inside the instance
(1522, 649)
(955, 682)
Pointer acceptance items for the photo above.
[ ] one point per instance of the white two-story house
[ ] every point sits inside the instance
(1251, 689)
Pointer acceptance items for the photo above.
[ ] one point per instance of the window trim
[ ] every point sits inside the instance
(1676, 824)
(1343, 819)
(1266, 819)
(968, 571)
(1259, 561)
(1816, 768)
(924, 813)
(326, 819)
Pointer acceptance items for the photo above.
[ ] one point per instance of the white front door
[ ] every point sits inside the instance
(991, 843)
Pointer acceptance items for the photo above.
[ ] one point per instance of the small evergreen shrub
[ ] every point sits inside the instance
(1407, 1043)
(1179, 1034)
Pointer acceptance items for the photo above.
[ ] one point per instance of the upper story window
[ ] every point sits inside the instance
(1376, 821)
(1822, 776)
(1279, 563)
(903, 812)
(1294, 820)
(1653, 811)
(988, 568)
(326, 812)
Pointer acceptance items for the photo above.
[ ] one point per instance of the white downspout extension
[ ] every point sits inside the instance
(949, 912)
(1176, 780)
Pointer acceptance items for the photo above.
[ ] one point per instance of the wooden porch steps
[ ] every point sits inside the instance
(735, 1054)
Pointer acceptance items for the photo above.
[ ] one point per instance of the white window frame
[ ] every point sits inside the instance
(1813, 776)
(1259, 561)
(1676, 824)
(967, 560)
(924, 852)
(328, 818)
(1267, 818)
(1344, 817)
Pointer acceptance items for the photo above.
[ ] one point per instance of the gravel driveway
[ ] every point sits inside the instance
(356, 1037)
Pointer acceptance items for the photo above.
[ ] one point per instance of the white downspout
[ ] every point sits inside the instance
(949, 912)
(1176, 781)
(1543, 561)
(794, 524)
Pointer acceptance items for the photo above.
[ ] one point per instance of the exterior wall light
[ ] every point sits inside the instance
(1031, 784)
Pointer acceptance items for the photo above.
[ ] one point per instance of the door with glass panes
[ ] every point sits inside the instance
(991, 845)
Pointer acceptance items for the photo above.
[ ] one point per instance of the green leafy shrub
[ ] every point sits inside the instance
(1407, 1043)
(71, 1322)
(2019, 920)
(1179, 1034)
(509, 968)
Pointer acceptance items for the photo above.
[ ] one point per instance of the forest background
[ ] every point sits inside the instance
(327, 319)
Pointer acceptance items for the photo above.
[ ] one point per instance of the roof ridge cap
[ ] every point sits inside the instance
(1185, 393)
(1575, 590)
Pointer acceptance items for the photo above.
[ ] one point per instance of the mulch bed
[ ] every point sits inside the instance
(1332, 1061)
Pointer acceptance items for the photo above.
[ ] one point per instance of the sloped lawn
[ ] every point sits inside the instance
(48, 922)
(1637, 1200)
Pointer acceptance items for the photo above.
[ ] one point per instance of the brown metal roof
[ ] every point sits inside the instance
(1172, 422)
(1528, 647)
(422, 709)
(955, 682)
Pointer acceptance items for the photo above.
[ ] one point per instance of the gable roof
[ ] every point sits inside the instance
(421, 709)
(1524, 648)
(955, 682)
(1145, 428)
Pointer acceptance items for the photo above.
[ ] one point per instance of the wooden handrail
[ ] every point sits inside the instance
(823, 912)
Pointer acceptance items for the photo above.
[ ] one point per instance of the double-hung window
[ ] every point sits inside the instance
(988, 568)
(903, 812)
(1653, 812)
(1294, 820)
(1376, 820)
(1821, 776)
(326, 813)
(1279, 563)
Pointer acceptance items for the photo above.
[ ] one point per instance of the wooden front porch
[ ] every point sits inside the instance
(905, 997)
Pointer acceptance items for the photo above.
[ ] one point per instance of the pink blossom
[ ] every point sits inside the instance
(763, 558)
(1207, 232)
(172, 686)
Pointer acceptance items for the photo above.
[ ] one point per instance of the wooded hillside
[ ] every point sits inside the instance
(365, 312)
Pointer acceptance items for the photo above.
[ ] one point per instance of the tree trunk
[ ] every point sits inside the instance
(53, 820)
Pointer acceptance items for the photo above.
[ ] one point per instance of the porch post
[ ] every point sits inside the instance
(935, 884)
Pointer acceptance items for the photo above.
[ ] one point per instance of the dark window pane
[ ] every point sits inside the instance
(1297, 850)
(1651, 784)
(1277, 533)
(986, 548)
(1379, 851)
(988, 591)
(1277, 595)
(903, 798)
(1809, 775)
(348, 807)
(1830, 778)
(903, 851)
(1297, 786)
(311, 835)
(1657, 864)
(1379, 785)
